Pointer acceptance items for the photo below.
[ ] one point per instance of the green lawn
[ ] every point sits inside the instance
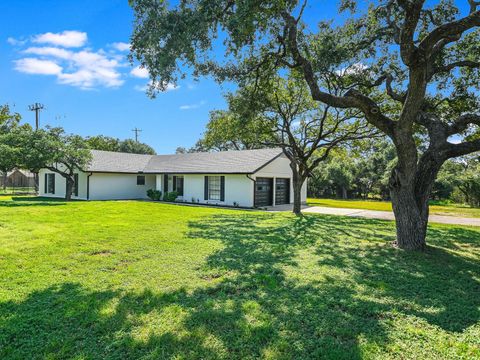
(131, 280)
(452, 210)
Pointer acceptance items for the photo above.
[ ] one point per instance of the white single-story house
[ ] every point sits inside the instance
(246, 178)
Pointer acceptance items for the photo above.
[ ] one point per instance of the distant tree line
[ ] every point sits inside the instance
(363, 172)
(107, 143)
(52, 148)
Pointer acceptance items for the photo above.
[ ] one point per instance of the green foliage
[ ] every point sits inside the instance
(8, 120)
(228, 130)
(170, 196)
(175, 282)
(55, 150)
(9, 151)
(131, 146)
(468, 181)
(359, 172)
(107, 143)
(153, 194)
(101, 142)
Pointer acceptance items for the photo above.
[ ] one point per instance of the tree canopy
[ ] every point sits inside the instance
(108, 143)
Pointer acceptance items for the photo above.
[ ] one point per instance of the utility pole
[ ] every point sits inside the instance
(37, 107)
(136, 131)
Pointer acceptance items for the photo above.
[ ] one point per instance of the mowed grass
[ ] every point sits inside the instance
(142, 280)
(451, 210)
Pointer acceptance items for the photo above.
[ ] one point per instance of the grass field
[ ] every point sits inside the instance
(452, 210)
(131, 280)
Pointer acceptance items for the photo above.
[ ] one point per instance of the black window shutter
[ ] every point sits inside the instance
(46, 183)
(165, 183)
(53, 181)
(222, 188)
(174, 183)
(206, 188)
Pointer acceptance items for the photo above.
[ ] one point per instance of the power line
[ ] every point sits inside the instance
(37, 107)
(136, 131)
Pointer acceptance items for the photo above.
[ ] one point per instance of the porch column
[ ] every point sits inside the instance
(158, 182)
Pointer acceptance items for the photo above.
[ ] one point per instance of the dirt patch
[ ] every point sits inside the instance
(102, 253)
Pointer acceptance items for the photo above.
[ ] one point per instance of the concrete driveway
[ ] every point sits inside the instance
(382, 215)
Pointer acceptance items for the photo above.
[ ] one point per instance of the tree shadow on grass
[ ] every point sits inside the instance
(256, 297)
(17, 201)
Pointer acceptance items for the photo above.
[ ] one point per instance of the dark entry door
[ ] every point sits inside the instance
(264, 192)
(282, 191)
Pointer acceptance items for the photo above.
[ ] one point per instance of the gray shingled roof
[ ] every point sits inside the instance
(108, 161)
(225, 162)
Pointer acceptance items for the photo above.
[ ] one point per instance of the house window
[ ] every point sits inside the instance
(178, 185)
(50, 183)
(140, 180)
(214, 187)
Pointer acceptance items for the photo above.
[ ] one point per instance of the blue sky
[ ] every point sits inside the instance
(93, 91)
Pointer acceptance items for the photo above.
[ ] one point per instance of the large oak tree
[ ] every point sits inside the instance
(424, 60)
(279, 112)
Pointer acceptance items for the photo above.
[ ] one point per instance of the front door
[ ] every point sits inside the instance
(263, 192)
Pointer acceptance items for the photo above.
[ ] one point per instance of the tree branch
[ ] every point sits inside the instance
(442, 35)
(462, 123)
(413, 9)
(456, 64)
(465, 148)
(352, 99)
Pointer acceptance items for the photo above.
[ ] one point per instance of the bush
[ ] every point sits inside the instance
(171, 196)
(155, 195)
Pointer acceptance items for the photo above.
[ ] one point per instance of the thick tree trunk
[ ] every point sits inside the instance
(69, 189)
(411, 217)
(35, 181)
(410, 190)
(298, 181)
(4, 174)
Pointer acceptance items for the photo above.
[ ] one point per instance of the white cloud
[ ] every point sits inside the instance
(50, 51)
(65, 38)
(121, 46)
(15, 42)
(353, 69)
(38, 66)
(192, 106)
(139, 72)
(85, 69)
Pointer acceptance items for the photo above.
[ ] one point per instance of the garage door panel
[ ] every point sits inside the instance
(263, 192)
(282, 191)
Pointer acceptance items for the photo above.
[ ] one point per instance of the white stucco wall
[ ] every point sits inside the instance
(115, 186)
(280, 168)
(105, 186)
(60, 185)
(238, 188)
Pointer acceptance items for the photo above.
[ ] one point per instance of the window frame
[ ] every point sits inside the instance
(50, 185)
(139, 183)
(213, 190)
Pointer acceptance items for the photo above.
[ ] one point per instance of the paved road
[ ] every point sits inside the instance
(384, 215)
